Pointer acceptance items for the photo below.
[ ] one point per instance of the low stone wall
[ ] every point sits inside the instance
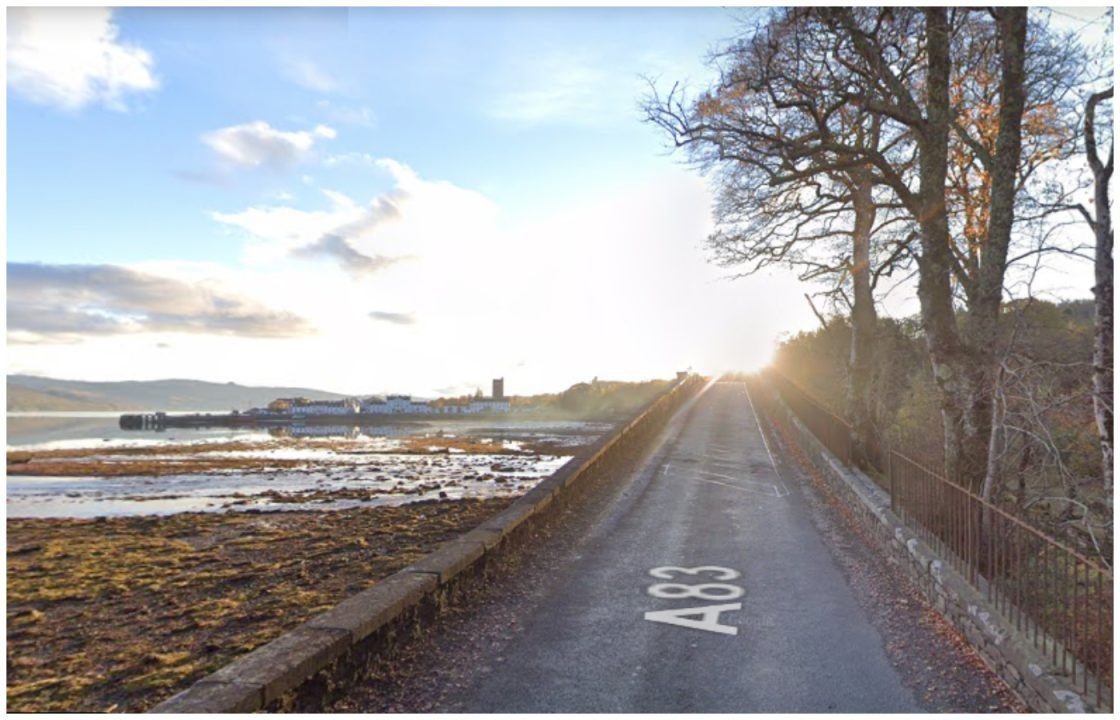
(306, 668)
(1012, 656)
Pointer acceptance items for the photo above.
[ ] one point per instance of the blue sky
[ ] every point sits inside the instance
(377, 199)
(454, 92)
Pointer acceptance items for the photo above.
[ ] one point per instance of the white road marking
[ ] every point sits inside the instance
(710, 473)
(760, 488)
(709, 615)
(704, 591)
(665, 572)
(758, 422)
(775, 490)
(779, 490)
(705, 617)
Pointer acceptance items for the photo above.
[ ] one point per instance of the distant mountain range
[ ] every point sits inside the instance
(27, 393)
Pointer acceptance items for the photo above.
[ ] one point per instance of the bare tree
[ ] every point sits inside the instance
(912, 83)
(770, 133)
(1100, 220)
(953, 111)
(1085, 122)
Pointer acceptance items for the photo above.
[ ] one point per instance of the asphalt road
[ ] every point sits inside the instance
(769, 622)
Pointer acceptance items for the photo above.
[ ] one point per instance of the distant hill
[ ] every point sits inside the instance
(23, 398)
(29, 393)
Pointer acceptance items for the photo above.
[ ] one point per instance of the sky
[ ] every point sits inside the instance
(369, 200)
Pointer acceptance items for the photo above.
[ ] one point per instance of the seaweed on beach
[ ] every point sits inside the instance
(116, 614)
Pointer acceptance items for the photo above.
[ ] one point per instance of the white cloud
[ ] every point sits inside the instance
(364, 238)
(284, 228)
(307, 74)
(71, 57)
(257, 143)
(336, 233)
(64, 303)
(395, 318)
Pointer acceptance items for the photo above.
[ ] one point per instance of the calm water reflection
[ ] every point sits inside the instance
(97, 429)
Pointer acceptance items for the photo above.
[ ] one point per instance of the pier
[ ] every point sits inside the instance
(162, 421)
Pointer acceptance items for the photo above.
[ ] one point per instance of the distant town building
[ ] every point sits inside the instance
(282, 405)
(395, 405)
(373, 406)
(348, 406)
(489, 405)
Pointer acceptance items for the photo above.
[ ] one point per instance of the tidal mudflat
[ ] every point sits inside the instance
(135, 568)
(278, 473)
(266, 477)
(117, 614)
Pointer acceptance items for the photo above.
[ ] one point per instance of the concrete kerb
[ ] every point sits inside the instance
(450, 559)
(1044, 687)
(287, 661)
(362, 614)
(212, 696)
(268, 673)
(509, 519)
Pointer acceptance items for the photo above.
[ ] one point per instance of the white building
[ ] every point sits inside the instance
(475, 406)
(349, 406)
(374, 406)
(396, 405)
(404, 405)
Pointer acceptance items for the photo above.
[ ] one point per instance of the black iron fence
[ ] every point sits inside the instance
(1056, 597)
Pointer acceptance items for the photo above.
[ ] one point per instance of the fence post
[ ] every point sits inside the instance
(890, 475)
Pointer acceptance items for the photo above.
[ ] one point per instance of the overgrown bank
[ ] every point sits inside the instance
(1048, 462)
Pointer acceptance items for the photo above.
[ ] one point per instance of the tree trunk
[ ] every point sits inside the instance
(964, 359)
(981, 330)
(864, 321)
(943, 344)
(1102, 289)
(996, 446)
(1102, 345)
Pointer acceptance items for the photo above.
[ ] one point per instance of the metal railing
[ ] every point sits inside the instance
(1057, 598)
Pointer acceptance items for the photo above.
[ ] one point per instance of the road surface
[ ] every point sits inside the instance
(702, 585)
